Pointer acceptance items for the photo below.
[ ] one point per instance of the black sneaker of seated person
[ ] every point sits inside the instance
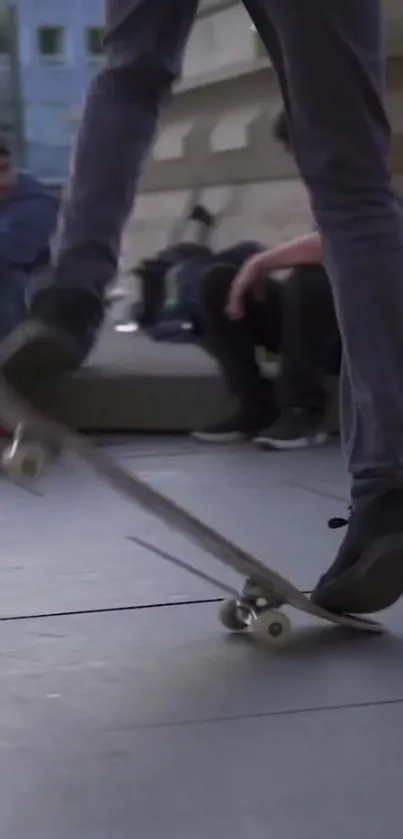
(242, 425)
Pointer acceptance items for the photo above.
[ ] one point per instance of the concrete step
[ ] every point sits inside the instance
(131, 383)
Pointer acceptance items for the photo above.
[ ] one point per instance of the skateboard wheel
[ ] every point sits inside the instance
(234, 616)
(272, 627)
(25, 461)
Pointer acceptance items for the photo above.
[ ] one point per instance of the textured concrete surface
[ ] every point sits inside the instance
(126, 710)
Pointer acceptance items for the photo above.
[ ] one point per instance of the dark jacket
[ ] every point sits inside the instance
(27, 223)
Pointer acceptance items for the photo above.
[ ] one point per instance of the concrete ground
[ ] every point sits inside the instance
(126, 711)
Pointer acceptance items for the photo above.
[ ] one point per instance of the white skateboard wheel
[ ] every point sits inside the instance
(272, 627)
(26, 460)
(234, 617)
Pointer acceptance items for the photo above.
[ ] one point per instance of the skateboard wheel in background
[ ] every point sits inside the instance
(234, 616)
(272, 627)
(25, 461)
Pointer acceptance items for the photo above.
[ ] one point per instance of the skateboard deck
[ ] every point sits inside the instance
(242, 610)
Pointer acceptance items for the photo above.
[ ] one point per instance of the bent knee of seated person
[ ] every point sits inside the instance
(226, 265)
(311, 279)
(238, 254)
(216, 285)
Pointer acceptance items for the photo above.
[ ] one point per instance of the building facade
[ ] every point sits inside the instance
(59, 48)
(216, 134)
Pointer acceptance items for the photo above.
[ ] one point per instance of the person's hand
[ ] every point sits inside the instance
(244, 281)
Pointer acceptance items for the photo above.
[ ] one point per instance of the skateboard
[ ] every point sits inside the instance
(258, 607)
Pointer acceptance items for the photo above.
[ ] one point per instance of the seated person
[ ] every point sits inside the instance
(191, 250)
(294, 318)
(28, 216)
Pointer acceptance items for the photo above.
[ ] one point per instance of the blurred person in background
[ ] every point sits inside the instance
(28, 216)
(188, 254)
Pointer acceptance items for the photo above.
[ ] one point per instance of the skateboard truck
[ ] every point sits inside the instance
(257, 609)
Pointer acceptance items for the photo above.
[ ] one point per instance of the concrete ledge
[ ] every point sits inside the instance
(133, 384)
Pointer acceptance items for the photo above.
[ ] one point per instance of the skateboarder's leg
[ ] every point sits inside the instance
(332, 72)
(145, 41)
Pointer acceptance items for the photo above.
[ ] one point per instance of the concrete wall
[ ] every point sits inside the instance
(217, 136)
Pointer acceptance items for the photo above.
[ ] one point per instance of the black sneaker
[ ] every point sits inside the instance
(367, 574)
(294, 429)
(236, 428)
(55, 339)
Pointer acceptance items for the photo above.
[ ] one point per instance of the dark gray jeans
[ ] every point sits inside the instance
(328, 57)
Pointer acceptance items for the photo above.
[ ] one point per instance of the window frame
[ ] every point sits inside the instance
(95, 31)
(59, 31)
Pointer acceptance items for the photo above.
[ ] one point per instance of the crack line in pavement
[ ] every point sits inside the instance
(126, 453)
(322, 493)
(109, 609)
(259, 715)
(184, 566)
